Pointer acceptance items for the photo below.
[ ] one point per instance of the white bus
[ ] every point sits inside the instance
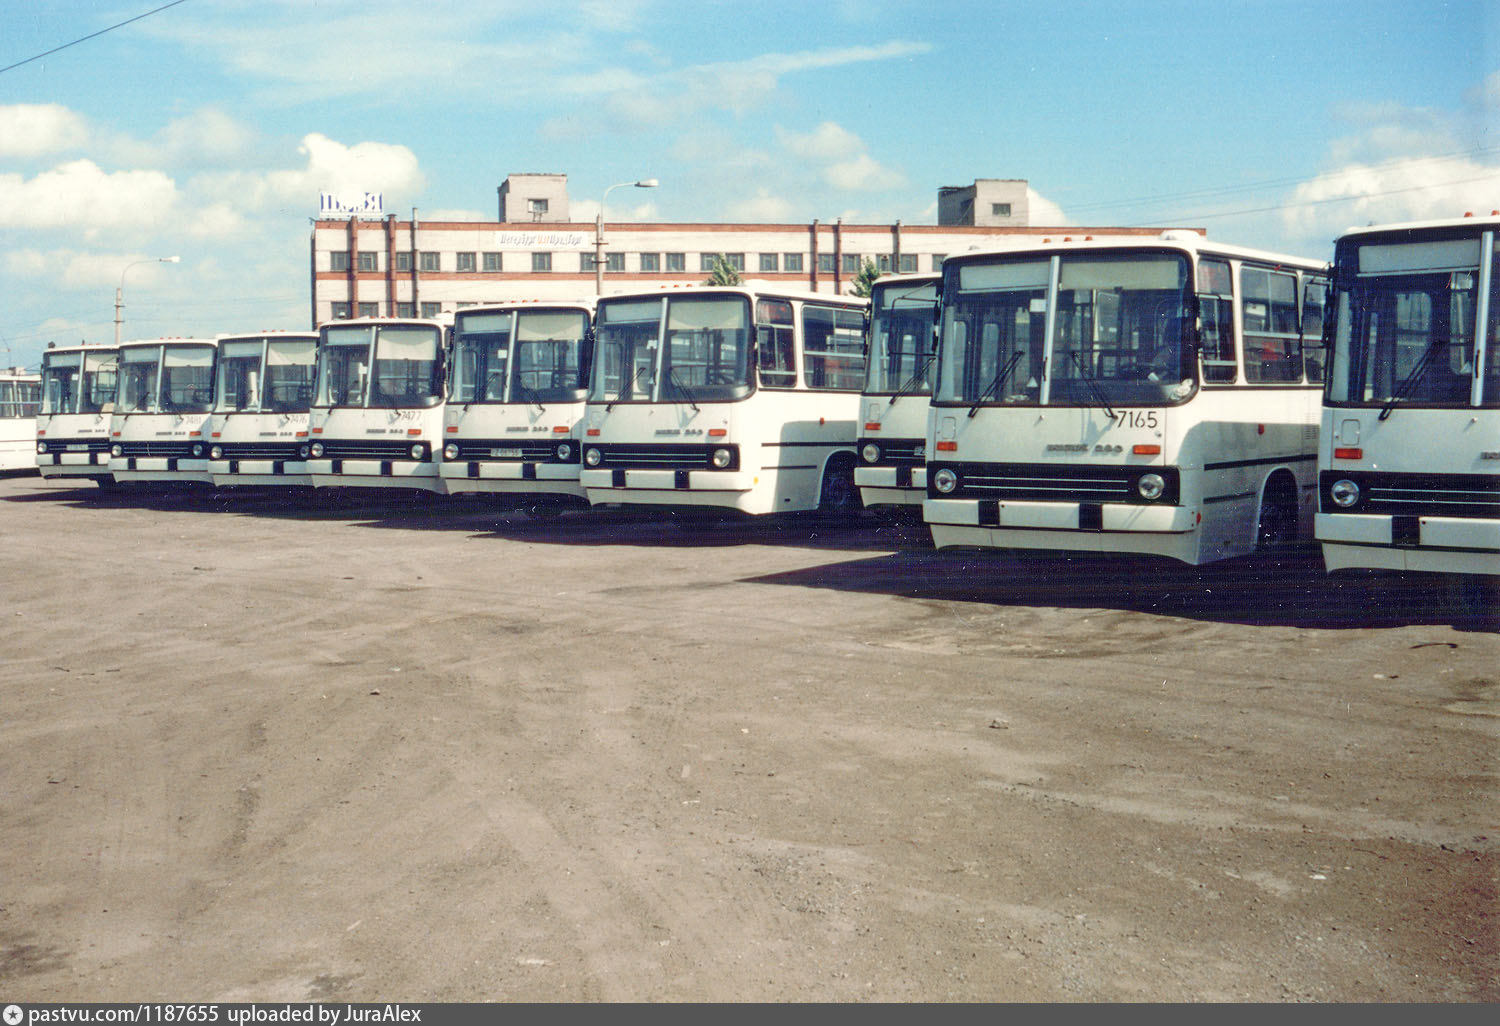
(1410, 454)
(1153, 397)
(78, 398)
(158, 429)
(729, 398)
(902, 362)
(258, 434)
(20, 394)
(517, 381)
(377, 410)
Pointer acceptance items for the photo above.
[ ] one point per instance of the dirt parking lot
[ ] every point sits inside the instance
(321, 747)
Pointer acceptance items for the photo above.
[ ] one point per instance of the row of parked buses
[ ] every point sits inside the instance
(1114, 395)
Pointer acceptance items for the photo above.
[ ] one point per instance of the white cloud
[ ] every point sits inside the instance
(82, 269)
(1043, 212)
(863, 173)
(841, 159)
(80, 195)
(35, 129)
(1412, 190)
(828, 142)
(334, 167)
(205, 138)
(761, 208)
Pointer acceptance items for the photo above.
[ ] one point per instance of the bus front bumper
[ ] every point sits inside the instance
(259, 472)
(518, 478)
(1441, 544)
(158, 468)
(73, 464)
(344, 473)
(891, 486)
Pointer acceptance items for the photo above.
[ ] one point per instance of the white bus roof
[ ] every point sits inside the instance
(587, 303)
(174, 340)
(1182, 241)
(441, 321)
(749, 289)
(886, 280)
(270, 333)
(80, 347)
(1478, 224)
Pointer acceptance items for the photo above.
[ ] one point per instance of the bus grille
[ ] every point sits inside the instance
(261, 450)
(95, 445)
(368, 450)
(508, 450)
(1050, 482)
(897, 450)
(665, 456)
(1475, 496)
(181, 450)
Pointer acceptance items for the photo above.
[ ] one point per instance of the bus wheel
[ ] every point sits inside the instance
(1277, 531)
(839, 492)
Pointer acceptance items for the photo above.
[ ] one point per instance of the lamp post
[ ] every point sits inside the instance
(644, 183)
(120, 290)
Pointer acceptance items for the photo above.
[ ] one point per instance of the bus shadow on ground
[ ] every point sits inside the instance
(1291, 591)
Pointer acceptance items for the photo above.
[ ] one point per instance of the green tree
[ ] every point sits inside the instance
(723, 273)
(860, 284)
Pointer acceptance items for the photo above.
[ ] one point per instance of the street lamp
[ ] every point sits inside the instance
(644, 183)
(120, 290)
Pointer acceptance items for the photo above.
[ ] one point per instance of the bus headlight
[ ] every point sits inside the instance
(197, 450)
(315, 450)
(450, 451)
(1344, 492)
(593, 457)
(564, 451)
(216, 452)
(304, 450)
(117, 450)
(945, 480)
(1151, 486)
(870, 453)
(720, 459)
(418, 451)
(41, 447)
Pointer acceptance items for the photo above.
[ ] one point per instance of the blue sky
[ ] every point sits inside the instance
(207, 130)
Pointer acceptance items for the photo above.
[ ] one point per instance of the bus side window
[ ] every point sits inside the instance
(774, 345)
(1314, 302)
(1216, 323)
(1273, 350)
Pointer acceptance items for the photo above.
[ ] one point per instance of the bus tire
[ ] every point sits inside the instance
(839, 493)
(1276, 531)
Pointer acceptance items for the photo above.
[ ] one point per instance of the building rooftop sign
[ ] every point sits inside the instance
(351, 202)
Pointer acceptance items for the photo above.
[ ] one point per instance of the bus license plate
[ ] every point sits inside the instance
(506, 453)
(76, 447)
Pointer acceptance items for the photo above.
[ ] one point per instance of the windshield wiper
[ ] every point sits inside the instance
(994, 386)
(1409, 383)
(918, 376)
(686, 393)
(1092, 385)
(535, 395)
(625, 389)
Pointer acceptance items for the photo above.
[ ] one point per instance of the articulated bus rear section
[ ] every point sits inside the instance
(1410, 456)
(733, 399)
(1156, 397)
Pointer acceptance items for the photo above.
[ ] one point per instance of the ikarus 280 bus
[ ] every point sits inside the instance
(735, 399)
(901, 365)
(1410, 453)
(517, 381)
(1133, 396)
(164, 393)
(258, 434)
(20, 393)
(377, 411)
(72, 426)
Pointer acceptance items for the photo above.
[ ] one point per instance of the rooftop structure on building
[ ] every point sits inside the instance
(365, 266)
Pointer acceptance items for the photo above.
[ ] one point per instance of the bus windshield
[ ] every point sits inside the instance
(1119, 331)
(901, 359)
(239, 376)
(60, 383)
(289, 375)
(187, 379)
(548, 363)
(98, 392)
(344, 366)
(407, 369)
(481, 350)
(707, 355)
(625, 350)
(1404, 329)
(139, 366)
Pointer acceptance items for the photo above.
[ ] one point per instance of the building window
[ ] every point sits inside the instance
(338, 260)
(851, 263)
(706, 261)
(908, 263)
(431, 309)
(541, 262)
(1000, 209)
(403, 261)
(536, 207)
(650, 262)
(883, 263)
(735, 260)
(492, 262)
(937, 261)
(369, 309)
(791, 261)
(368, 262)
(768, 262)
(825, 263)
(614, 261)
(677, 261)
(406, 309)
(465, 261)
(340, 311)
(429, 262)
(587, 261)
